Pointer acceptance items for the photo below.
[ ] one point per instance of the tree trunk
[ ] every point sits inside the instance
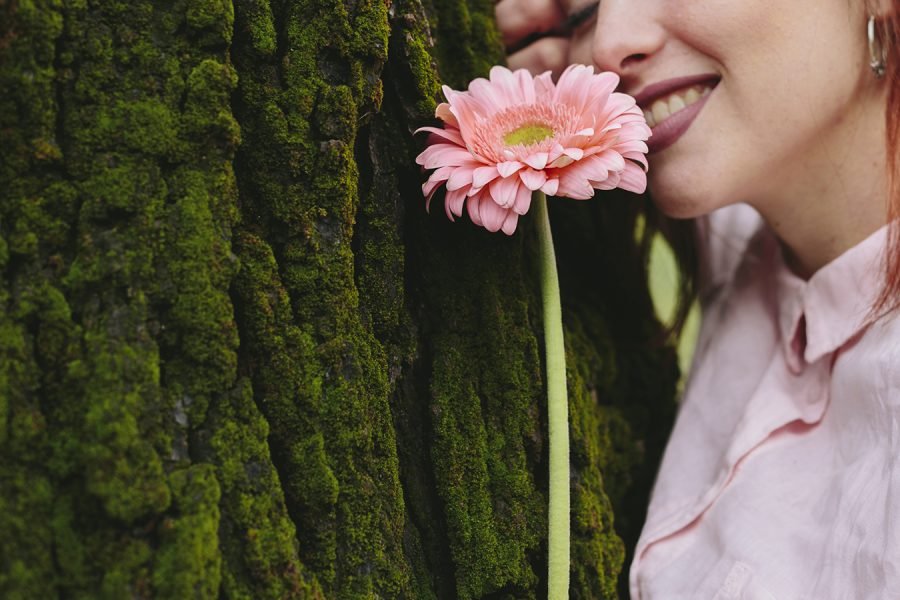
(237, 357)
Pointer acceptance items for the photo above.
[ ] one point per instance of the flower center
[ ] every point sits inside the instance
(527, 134)
(516, 132)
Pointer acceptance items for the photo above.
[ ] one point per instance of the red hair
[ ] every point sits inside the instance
(889, 32)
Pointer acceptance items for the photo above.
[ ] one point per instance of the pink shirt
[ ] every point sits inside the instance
(781, 480)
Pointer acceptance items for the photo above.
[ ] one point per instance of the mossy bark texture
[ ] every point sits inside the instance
(239, 360)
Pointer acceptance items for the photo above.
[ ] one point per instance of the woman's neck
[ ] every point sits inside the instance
(836, 196)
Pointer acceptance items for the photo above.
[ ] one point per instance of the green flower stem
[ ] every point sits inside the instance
(557, 410)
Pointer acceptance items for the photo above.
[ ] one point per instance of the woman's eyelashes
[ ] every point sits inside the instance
(572, 24)
(579, 17)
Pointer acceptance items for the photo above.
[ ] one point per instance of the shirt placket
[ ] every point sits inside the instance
(783, 397)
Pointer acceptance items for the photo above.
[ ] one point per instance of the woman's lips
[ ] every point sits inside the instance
(652, 92)
(667, 131)
(673, 127)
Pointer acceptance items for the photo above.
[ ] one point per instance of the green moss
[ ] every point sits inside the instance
(202, 337)
(370, 31)
(291, 387)
(121, 468)
(597, 551)
(460, 456)
(336, 113)
(29, 159)
(258, 26)
(299, 186)
(129, 572)
(71, 549)
(422, 68)
(11, 344)
(378, 237)
(257, 538)
(116, 320)
(146, 126)
(207, 120)
(467, 43)
(187, 564)
(25, 544)
(485, 409)
(412, 68)
(215, 16)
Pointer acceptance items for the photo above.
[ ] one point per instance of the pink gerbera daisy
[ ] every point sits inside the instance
(512, 134)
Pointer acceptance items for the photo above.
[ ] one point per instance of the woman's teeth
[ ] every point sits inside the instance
(662, 108)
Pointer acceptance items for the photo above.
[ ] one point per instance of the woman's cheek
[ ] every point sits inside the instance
(580, 47)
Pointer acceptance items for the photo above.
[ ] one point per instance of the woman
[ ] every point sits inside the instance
(770, 118)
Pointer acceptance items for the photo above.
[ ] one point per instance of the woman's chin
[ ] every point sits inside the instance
(677, 205)
(683, 188)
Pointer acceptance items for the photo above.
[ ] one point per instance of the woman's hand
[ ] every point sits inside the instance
(534, 34)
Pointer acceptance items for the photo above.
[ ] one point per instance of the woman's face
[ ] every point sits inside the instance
(786, 78)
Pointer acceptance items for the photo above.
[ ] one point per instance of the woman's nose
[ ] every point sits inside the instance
(627, 35)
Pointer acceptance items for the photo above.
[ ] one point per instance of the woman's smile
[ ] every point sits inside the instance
(663, 108)
(671, 106)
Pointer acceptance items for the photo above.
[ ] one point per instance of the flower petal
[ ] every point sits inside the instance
(551, 188)
(532, 179)
(583, 90)
(466, 110)
(523, 200)
(484, 175)
(562, 161)
(509, 225)
(609, 159)
(611, 127)
(443, 113)
(453, 203)
(509, 167)
(503, 191)
(450, 134)
(474, 208)
(436, 179)
(591, 168)
(507, 85)
(556, 150)
(610, 183)
(538, 160)
(633, 179)
(444, 155)
(574, 185)
(622, 102)
(638, 156)
(569, 155)
(492, 97)
(544, 87)
(461, 176)
(492, 215)
(631, 146)
(526, 85)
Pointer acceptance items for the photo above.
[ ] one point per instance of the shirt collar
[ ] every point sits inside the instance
(818, 316)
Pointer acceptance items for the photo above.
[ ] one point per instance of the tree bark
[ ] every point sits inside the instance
(237, 357)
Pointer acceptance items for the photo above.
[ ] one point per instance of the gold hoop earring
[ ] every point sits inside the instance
(876, 50)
